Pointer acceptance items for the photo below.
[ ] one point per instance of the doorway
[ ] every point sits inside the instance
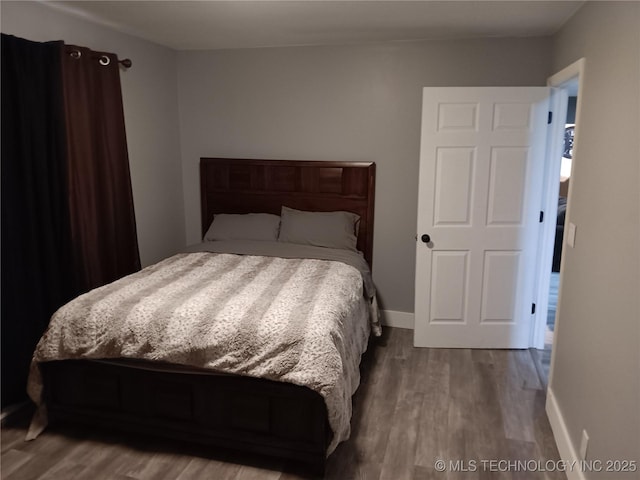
(447, 313)
(482, 164)
(566, 164)
(560, 163)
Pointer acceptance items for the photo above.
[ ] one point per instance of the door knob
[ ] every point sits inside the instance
(425, 238)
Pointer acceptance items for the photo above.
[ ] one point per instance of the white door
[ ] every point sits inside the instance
(481, 166)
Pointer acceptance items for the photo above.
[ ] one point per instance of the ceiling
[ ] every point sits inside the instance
(204, 25)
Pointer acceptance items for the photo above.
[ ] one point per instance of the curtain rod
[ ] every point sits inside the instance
(103, 59)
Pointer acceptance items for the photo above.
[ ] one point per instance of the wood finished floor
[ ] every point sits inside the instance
(414, 406)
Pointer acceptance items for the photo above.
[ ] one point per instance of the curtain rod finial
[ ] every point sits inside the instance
(126, 63)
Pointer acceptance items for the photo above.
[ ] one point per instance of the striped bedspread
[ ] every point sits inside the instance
(302, 321)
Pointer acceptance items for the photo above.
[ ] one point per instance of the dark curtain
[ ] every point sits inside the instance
(101, 202)
(68, 222)
(37, 273)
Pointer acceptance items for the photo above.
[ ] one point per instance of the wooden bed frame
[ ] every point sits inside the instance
(264, 186)
(243, 413)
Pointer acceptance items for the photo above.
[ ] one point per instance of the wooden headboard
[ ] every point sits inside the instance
(231, 185)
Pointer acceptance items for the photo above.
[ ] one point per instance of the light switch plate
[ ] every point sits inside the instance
(571, 235)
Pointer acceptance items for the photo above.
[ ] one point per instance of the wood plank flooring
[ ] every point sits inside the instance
(414, 406)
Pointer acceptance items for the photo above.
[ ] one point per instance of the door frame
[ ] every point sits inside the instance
(560, 84)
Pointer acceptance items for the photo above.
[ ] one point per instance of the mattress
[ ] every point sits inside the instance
(300, 320)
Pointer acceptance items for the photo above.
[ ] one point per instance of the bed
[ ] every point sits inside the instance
(278, 414)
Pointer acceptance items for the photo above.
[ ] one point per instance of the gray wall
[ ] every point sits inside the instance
(363, 103)
(597, 361)
(340, 103)
(319, 103)
(149, 93)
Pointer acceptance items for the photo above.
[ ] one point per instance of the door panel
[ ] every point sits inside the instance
(481, 165)
(449, 280)
(499, 286)
(508, 170)
(454, 173)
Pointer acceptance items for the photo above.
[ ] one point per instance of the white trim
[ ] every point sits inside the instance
(546, 236)
(391, 318)
(560, 80)
(568, 73)
(563, 441)
(562, 85)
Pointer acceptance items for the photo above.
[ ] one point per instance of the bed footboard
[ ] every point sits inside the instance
(242, 413)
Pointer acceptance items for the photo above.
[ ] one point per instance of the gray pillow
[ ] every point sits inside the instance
(250, 226)
(321, 229)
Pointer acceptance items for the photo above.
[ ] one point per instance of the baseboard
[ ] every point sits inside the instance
(392, 318)
(563, 441)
